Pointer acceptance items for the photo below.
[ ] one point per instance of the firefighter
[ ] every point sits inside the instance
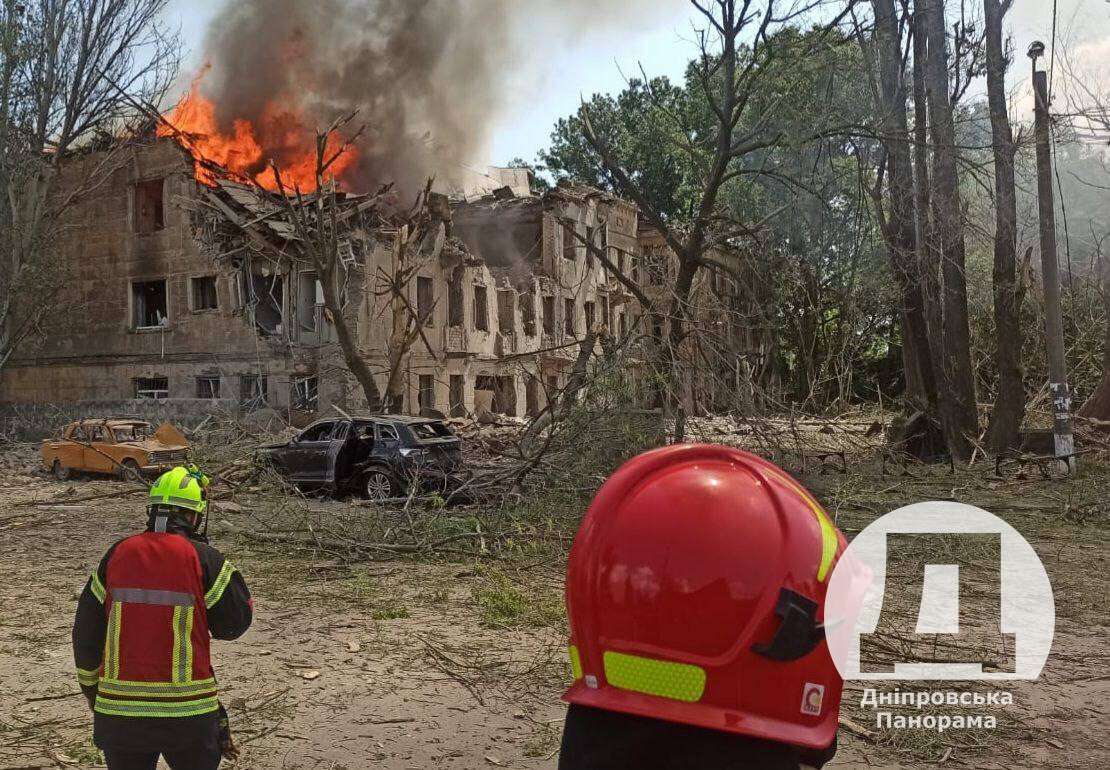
(695, 594)
(142, 635)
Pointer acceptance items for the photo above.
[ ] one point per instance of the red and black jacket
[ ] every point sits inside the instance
(144, 625)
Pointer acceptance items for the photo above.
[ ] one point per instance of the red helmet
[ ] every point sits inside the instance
(696, 592)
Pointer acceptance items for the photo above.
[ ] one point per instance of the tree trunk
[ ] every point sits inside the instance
(928, 265)
(347, 342)
(958, 413)
(1009, 407)
(672, 400)
(899, 232)
(1097, 406)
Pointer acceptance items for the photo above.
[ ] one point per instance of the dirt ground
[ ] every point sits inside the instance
(459, 664)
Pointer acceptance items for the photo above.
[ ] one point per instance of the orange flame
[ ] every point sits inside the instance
(279, 134)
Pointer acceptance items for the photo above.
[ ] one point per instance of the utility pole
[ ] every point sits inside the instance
(1063, 441)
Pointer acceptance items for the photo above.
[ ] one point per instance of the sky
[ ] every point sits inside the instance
(555, 77)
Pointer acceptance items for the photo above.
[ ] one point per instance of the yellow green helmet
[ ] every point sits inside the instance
(181, 487)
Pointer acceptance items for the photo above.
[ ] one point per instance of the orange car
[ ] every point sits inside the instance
(121, 446)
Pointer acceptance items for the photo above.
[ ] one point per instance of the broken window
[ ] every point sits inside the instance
(528, 313)
(149, 215)
(208, 386)
(624, 323)
(203, 293)
(427, 395)
(590, 234)
(656, 267)
(148, 304)
(620, 262)
(499, 392)
(505, 311)
(156, 388)
(310, 295)
(589, 308)
(267, 299)
(305, 396)
(570, 243)
(548, 314)
(568, 316)
(605, 317)
(455, 299)
(253, 389)
(321, 431)
(425, 301)
(456, 395)
(481, 309)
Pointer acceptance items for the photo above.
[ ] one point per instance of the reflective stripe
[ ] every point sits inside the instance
(157, 689)
(677, 681)
(182, 644)
(575, 662)
(111, 647)
(140, 708)
(184, 502)
(96, 587)
(88, 677)
(217, 589)
(152, 596)
(828, 531)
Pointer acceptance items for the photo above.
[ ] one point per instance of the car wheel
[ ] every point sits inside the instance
(61, 473)
(377, 484)
(129, 469)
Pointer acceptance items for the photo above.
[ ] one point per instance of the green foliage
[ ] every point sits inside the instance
(821, 294)
(640, 124)
(505, 602)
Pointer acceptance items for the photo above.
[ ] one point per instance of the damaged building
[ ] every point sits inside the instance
(157, 306)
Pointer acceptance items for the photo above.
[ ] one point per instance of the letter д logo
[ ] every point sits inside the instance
(981, 560)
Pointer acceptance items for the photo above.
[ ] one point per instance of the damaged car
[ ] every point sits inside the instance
(128, 448)
(378, 457)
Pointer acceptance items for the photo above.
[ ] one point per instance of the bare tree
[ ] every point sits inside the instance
(899, 223)
(1088, 116)
(959, 416)
(1009, 406)
(73, 77)
(736, 47)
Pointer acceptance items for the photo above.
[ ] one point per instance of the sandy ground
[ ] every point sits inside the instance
(393, 665)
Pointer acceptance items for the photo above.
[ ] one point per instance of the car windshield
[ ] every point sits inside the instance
(134, 432)
(426, 431)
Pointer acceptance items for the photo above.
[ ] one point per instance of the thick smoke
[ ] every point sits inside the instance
(428, 77)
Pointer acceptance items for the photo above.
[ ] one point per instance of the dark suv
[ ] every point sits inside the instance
(380, 457)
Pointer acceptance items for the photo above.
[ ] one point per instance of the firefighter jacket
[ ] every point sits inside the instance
(143, 630)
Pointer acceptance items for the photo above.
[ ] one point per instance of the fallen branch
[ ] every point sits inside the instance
(62, 501)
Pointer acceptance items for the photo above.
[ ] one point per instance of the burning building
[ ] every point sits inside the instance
(158, 307)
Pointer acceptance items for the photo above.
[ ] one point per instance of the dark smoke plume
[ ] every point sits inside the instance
(427, 76)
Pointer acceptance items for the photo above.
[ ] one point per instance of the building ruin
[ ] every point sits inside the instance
(155, 308)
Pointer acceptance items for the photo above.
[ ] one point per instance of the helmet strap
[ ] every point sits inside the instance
(202, 535)
(798, 634)
(160, 523)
